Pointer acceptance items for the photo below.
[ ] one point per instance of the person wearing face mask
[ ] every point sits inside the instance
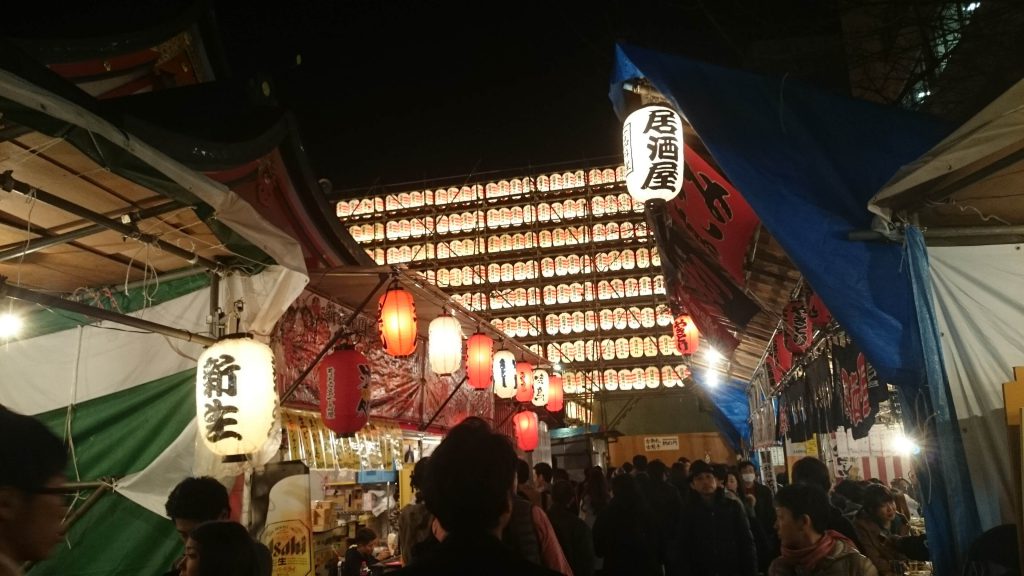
(758, 496)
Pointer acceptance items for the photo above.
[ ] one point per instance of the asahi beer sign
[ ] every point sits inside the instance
(660, 443)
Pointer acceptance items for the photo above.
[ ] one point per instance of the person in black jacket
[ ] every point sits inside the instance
(471, 483)
(715, 537)
(813, 472)
(622, 532)
(573, 534)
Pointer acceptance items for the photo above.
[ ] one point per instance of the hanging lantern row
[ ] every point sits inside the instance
(236, 396)
(576, 292)
(634, 347)
(477, 192)
(577, 382)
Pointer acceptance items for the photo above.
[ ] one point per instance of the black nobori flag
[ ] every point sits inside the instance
(861, 390)
(795, 411)
(826, 404)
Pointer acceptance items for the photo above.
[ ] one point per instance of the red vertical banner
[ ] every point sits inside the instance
(715, 215)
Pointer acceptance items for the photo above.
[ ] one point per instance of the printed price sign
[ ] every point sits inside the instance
(658, 443)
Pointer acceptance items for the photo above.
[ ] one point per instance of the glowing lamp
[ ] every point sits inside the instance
(555, 393)
(444, 344)
(479, 361)
(541, 382)
(686, 335)
(505, 378)
(344, 377)
(236, 396)
(396, 321)
(524, 381)
(527, 430)
(652, 153)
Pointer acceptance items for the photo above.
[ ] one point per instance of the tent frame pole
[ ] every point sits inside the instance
(338, 335)
(444, 404)
(19, 293)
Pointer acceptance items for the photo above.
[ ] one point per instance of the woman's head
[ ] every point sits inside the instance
(879, 503)
(732, 483)
(219, 548)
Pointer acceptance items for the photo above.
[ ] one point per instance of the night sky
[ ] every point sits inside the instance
(390, 92)
(405, 92)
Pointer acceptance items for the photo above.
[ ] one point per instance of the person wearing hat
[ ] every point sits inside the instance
(32, 502)
(715, 538)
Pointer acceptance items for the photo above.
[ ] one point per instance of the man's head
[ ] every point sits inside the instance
(543, 471)
(813, 472)
(197, 500)
(365, 540)
(32, 504)
(522, 472)
(656, 469)
(747, 472)
(801, 515)
(721, 472)
(702, 478)
(472, 475)
(640, 463)
(627, 468)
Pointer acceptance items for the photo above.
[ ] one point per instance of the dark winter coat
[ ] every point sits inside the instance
(715, 537)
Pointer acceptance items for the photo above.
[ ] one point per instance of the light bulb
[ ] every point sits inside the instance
(711, 378)
(905, 446)
(10, 325)
(713, 356)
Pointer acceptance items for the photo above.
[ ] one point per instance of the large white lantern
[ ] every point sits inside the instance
(444, 344)
(540, 387)
(652, 152)
(505, 381)
(236, 396)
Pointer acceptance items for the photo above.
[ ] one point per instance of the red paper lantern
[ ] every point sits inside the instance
(344, 377)
(819, 314)
(799, 331)
(779, 359)
(686, 335)
(479, 352)
(524, 381)
(396, 321)
(555, 396)
(527, 430)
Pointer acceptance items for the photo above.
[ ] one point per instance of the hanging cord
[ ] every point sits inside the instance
(68, 436)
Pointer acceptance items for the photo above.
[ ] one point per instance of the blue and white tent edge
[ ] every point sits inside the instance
(808, 162)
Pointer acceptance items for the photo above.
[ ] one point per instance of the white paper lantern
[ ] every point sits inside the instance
(444, 344)
(652, 150)
(504, 374)
(236, 396)
(541, 388)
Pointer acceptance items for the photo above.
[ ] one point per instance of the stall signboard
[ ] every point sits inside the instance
(714, 214)
(660, 443)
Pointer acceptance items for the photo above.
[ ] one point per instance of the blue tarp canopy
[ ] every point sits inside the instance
(808, 162)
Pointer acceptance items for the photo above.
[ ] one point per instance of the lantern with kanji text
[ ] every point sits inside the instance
(524, 381)
(344, 378)
(236, 396)
(686, 335)
(541, 382)
(505, 377)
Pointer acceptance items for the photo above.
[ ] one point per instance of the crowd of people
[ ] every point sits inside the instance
(482, 510)
(650, 518)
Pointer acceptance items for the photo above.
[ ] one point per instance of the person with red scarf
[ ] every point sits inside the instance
(808, 548)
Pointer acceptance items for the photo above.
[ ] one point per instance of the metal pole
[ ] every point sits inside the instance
(19, 293)
(215, 312)
(338, 335)
(36, 244)
(957, 232)
(445, 403)
(102, 489)
(9, 183)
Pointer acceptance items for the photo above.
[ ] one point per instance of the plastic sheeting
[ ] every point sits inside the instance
(980, 315)
(808, 162)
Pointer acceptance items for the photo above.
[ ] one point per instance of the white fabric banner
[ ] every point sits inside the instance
(978, 299)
